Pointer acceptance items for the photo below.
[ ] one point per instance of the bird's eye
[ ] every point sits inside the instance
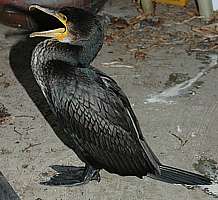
(63, 17)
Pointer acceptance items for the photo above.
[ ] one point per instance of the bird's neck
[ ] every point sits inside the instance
(90, 48)
(78, 55)
(81, 53)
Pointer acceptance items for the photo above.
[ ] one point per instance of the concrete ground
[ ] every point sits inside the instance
(183, 133)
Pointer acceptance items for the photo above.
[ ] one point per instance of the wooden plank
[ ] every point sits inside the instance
(6, 191)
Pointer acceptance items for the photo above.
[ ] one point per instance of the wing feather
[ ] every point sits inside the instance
(97, 117)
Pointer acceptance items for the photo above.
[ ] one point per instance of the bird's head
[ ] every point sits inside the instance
(77, 24)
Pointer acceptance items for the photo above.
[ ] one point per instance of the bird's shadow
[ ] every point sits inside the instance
(20, 58)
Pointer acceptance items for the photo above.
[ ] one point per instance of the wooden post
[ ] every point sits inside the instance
(205, 8)
(147, 6)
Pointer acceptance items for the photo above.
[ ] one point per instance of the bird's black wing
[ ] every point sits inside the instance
(130, 117)
(99, 123)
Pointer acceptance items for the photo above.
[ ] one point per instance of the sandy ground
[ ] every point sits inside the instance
(181, 133)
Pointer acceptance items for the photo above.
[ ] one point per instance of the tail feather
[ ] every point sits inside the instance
(178, 176)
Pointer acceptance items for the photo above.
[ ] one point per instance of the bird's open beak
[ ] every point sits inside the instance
(59, 33)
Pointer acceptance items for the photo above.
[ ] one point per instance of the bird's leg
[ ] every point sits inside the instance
(90, 174)
(73, 176)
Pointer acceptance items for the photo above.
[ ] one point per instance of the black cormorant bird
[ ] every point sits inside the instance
(98, 122)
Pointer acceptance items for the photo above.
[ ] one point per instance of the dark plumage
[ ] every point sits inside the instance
(96, 116)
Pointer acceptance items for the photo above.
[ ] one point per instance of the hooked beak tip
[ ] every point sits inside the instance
(32, 7)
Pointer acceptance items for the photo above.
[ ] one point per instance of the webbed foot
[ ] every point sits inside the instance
(72, 176)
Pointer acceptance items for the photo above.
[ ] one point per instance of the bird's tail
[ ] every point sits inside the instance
(178, 176)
